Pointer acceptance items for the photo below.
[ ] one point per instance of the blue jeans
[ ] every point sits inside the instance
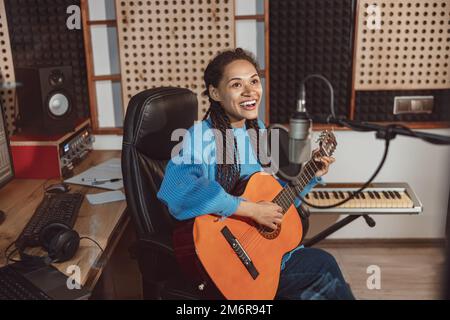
(312, 274)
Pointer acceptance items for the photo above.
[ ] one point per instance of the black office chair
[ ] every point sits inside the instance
(151, 117)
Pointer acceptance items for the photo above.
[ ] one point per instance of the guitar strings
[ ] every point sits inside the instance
(252, 237)
(257, 237)
(281, 196)
(284, 199)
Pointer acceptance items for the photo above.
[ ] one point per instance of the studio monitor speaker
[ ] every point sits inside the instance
(45, 99)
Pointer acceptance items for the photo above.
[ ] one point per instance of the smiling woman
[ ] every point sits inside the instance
(239, 92)
(231, 79)
(205, 186)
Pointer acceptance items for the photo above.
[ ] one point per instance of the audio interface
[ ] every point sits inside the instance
(51, 156)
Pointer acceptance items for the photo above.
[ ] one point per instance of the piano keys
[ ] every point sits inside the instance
(378, 198)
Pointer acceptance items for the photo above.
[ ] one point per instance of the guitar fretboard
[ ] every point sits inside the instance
(285, 198)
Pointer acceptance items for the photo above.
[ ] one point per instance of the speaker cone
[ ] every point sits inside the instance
(58, 104)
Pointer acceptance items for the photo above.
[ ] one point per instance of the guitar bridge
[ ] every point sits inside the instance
(240, 252)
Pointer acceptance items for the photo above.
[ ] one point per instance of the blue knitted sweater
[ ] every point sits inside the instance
(190, 189)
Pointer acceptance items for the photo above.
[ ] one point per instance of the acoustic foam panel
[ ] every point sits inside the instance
(39, 37)
(379, 105)
(306, 37)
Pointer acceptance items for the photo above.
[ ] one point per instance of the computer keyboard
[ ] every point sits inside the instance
(14, 286)
(58, 207)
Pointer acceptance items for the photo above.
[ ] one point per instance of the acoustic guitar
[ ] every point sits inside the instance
(234, 258)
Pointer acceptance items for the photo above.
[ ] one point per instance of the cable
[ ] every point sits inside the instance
(386, 149)
(387, 134)
(330, 87)
(46, 185)
(93, 242)
(8, 256)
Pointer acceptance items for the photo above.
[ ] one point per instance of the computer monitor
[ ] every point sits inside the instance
(6, 165)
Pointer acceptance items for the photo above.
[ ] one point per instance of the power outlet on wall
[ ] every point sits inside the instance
(413, 104)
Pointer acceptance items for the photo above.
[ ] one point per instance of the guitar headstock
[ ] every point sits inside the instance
(327, 142)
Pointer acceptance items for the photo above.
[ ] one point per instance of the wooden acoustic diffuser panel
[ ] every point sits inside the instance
(169, 43)
(407, 48)
(6, 71)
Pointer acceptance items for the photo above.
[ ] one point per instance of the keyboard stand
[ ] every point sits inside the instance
(338, 225)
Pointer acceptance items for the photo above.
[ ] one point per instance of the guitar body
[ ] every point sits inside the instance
(203, 246)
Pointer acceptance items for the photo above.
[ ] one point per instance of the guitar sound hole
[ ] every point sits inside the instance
(268, 230)
(269, 233)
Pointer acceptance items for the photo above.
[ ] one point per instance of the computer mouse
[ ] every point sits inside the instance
(57, 188)
(2, 216)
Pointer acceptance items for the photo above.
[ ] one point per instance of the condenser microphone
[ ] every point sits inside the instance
(300, 131)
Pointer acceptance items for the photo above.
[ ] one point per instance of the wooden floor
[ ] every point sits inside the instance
(408, 271)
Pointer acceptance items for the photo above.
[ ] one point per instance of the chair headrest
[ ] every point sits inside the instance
(154, 114)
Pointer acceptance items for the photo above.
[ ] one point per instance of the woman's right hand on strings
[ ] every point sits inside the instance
(265, 213)
(268, 214)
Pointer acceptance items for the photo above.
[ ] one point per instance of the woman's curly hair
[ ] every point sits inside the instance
(228, 172)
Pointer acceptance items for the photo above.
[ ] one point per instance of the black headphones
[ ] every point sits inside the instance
(60, 241)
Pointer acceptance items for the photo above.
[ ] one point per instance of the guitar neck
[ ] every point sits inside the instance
(286, 197)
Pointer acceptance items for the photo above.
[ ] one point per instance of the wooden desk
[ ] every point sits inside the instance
(105, 223)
